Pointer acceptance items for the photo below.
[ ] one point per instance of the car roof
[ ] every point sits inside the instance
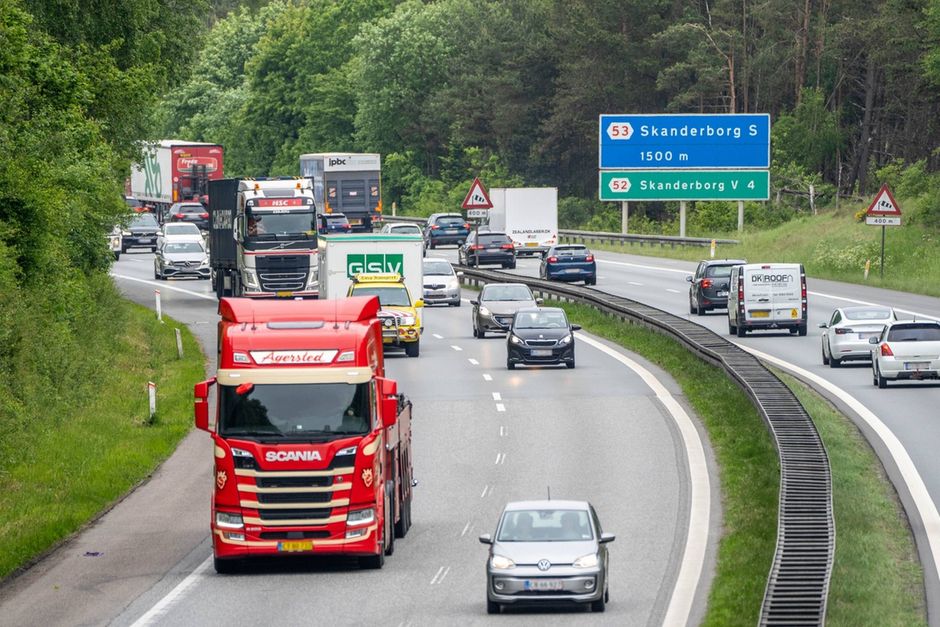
(427, 259)
(725, 262)
(909, 322)
(546, 504)
(541, 310)
(183, 237)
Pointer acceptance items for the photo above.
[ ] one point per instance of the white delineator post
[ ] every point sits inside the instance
(156, 295)
(713, 249)
(179, 343)
(152, 396)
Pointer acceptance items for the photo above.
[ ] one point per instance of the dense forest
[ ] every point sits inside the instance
(511, 90)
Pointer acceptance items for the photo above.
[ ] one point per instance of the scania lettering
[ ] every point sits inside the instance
(309, 458)
(347, 183)
(767, 296)
(263, 238)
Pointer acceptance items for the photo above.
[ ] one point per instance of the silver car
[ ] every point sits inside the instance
(441, 283)
(498, 302)
(181, 256)
(906, 349)
(846, 334)
(547, 552)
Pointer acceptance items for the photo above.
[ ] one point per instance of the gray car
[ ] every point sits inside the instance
(441, 283)
(496, 305)
(547, 552)
(179, 257)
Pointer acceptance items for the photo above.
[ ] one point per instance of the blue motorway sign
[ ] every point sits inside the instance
(730, 140)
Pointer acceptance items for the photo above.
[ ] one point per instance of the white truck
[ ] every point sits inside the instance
(528, 215)
(173, 170)
(767, 296)
(344, 256)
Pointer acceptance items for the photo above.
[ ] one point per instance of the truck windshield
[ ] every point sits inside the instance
(273, 226)
(388, 296)
(295, 411)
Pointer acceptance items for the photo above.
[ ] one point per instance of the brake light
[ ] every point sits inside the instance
(886, 351)
(552, 260)
(434, 227)
(589, 258)
(466, 225)
(204, 216)
(843, 331)
(179, 216)
(507, 246)
(741, 291)
(346, 227)
(706, 283)
(476, 246)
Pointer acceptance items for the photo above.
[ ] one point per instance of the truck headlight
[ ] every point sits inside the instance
(249, 277)
(499, 562)
(361, 516)
(586, 561)
(228, 521)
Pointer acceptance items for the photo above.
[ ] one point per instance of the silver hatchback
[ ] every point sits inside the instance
(547, 552)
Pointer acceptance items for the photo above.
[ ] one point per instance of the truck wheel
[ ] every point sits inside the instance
(227, 567)
(389, 531)
(373, 562)
(741, 331)
(802, 330)
(153, 249)
(404, 523)
(413, 349)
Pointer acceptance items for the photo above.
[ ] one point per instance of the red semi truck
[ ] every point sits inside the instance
(175, 171)
(312, 441)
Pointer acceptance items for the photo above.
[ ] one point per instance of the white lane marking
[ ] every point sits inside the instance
(693, 557)
(444, 574)
(500, 458)
(634, 283)
(163, 286)
(163, 604)
(639, 265)
(485, 490)
(487, 377)
(500, 407)
(438, 576)
(862, 302)
(926, 508)
(497, 396)
(466, 529)
(438, 337)
(503, 431)
(473, 361)
(456, 348)
(669, 289)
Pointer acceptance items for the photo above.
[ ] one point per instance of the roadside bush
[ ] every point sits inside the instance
(842, 257)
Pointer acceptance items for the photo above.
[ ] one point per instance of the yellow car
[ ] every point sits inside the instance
(401, 324)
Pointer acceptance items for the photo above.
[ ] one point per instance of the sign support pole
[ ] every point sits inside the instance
(882, 251)
(681, 218)
(624, 216)
(740, 215)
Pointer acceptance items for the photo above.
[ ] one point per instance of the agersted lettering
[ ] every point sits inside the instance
(292, 456)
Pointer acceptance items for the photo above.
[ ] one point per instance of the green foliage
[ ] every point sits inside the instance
(809, 136)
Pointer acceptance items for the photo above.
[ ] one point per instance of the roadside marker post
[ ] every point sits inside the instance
(156, 295)
(152, 397)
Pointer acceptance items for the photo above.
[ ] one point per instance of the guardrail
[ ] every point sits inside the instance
(798, 584)
(610, 238)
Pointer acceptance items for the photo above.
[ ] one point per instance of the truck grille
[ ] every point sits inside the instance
(294, 482)
(292, 514)
(293, 535)
(266, 498)
(284, 281)
(280, 273)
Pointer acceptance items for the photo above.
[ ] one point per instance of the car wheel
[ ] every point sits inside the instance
(153, 249)
(457, 303)
(593, 280)
(833, 362)
(732, 330)
(599, 605)
(699, 310)
(492, 607)
(226, 567)
(882, 382)
(481, 333)
(413, 349)
(570, 364)
(510, 365)
(741, 331)
(512, 266)
(691, 307)
(874, 374)
(825, 358)
(117, 255)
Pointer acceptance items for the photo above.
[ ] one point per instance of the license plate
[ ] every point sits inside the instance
(544, 585)
(916, 365)
(572, 270)
(533, 244)
(450, 231)
(541, 352)
(295, 546)
(356, 221)
(720, 294)
(760, 314)
(284, 294)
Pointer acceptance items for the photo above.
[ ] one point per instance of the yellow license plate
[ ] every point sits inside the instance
(284, 294)
(531, 243)
(760, 314)
(294, 546)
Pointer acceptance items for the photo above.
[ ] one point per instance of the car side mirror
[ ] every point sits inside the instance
(460, 273)
(539, 301)
(474, 302)
(201, 403)
(607, 537)
(873, 340)
(823, 325)
(576, 327)
(689, 279)
(486, 539)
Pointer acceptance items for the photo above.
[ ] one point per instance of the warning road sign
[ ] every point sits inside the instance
(884, 204)
(477, 198)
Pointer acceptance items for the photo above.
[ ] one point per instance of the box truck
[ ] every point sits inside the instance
(347, 183)
(528, 215)
(173, 170)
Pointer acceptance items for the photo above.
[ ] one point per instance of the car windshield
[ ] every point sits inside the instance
(405, 229)
(489, 240)
(144, 219)
(541, 320)
(545, 525)
(175, 228)
(914, 333)
(191, 209)
(270, 225)
(183, 247)
(388, 296)
(450, 221)
(868, 314)
(718, 272)
(438, 268)
(506, 292)
(336, 219)
(294, 410)
(567, 251)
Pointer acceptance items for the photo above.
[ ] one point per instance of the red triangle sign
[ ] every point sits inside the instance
(477, 198)
(884, 204)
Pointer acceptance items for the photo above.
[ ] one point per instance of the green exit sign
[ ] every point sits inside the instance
(684, 185)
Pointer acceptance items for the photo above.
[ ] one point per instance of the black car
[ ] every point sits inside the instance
(487, 247)
(333, 223)
(540, 335)
(569, 262)
(445, 228)
(709, 285)
(190, 212)
(140, 233)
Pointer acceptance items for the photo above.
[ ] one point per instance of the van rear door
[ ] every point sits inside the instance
(772, 293)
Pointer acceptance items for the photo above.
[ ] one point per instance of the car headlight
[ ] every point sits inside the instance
(484, 311)
(126, 233)
(586, 561)
(453, 284)
(516, 340)
(499, 562)
(407, 320)
(565, 340)
(229, 521)
(204, 262)
(250, 279)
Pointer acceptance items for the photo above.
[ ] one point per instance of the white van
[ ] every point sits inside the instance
(767, 296)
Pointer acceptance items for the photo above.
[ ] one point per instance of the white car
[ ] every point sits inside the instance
(441, 283)
(181, 256)
(906, 349)
(173, 229)
(848, 330)
(404, 228)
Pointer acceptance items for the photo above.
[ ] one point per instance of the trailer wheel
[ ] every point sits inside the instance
(227, 567)
(389, 532)
(404, 523)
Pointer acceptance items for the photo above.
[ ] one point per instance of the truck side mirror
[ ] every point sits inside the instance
(419, 303)
(201, 403)
(389, 391)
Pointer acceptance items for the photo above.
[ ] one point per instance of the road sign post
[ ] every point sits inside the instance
(884, 211)
(477, 204)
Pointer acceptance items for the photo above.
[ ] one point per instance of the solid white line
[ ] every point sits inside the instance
(926, 508)
(862, 302)
(466, 528)
(473, 361)
(438, 337)
(163, 604)
(487, 377)
(669, 289)
(500, 407)
(436, 575)
(497, 396)
(634, 283)
(456, 348)
(163, 286)
(639, 265)
(693, 557)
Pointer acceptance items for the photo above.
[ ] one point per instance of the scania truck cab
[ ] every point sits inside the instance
(312, 443)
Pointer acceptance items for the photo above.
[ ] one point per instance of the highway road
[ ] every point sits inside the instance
(482, 436)
(900, 422)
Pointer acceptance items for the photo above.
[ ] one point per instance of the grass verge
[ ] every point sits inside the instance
(877, 578)
(81, 458)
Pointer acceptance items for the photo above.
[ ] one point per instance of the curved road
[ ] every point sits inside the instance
(483, 436)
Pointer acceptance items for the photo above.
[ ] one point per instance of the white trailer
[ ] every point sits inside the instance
(528, 215)
(347, 183)
(343, 256)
